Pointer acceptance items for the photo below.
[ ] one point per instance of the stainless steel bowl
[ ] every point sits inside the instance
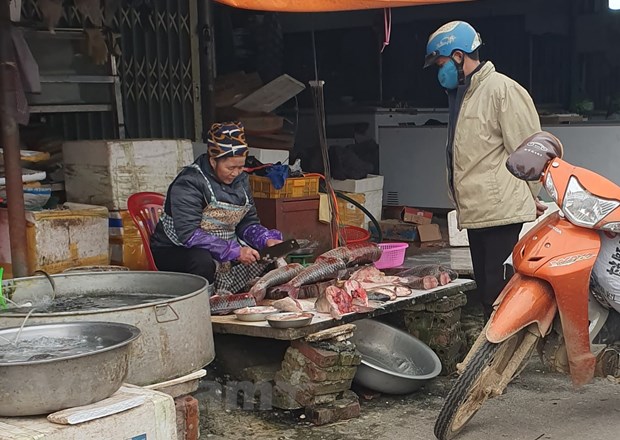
(290, 319)
(393, 361)
(254, 314)
(48, 380)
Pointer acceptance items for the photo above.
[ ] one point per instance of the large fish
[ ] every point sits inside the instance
(275, 277)
(323, 269)
(353, 254)
(444, 275)
(361, 253)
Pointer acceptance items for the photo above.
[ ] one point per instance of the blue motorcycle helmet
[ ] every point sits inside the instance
(453, 36)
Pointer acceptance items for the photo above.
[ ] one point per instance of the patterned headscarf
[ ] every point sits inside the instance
(227, 139)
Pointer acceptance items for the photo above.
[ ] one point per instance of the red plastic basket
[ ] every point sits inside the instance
(393, 255)
(353, 234)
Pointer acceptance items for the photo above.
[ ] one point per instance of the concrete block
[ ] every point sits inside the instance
(432, 320)
(444, 305)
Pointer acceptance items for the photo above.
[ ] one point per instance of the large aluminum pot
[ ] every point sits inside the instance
(176, 339)
(49, 380)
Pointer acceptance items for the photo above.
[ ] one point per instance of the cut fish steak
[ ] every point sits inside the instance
(335, 301)
(288, 304)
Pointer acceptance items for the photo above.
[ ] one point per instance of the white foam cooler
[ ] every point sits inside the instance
(155, 419)
(371, 187)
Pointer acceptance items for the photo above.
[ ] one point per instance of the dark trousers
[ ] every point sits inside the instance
(489, 248)
(179, 259)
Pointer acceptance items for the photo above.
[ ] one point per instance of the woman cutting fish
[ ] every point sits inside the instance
(209, 226)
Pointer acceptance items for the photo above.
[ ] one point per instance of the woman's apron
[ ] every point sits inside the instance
(221, 219)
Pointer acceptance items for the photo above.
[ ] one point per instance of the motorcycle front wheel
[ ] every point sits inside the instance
(486, 375)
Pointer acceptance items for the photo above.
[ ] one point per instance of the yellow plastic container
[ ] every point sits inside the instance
(293, 187)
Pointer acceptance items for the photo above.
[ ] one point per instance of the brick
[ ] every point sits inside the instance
(308, 400)
(298, 369)
(446, 304)
(350, 358)
(342, 409)
(317, 374)
(187, 418)
(292, 377)
(283, 400)
(328, 387)
(310, 393)
(320, 357)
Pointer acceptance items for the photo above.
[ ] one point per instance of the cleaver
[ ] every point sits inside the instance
(279, 250)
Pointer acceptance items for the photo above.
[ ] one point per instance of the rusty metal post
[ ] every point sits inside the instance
(10, 144)
(207, 62)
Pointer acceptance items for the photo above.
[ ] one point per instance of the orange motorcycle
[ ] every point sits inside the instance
(551, 303)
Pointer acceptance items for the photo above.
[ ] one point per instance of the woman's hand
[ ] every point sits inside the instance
(272, 242)
(248, 255)
(540, 207)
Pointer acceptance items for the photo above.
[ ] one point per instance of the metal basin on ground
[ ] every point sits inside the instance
(58, 366)
(170, 309)
(393, 361)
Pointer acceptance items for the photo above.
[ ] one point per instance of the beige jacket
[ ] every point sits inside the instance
(496, 115)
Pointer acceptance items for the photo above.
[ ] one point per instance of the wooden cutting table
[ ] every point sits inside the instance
(229, 324)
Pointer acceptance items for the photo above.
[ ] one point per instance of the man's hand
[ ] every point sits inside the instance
(248, 255)
(540, 208)
(272, 242)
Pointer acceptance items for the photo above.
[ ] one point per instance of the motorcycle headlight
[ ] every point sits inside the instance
(550, 187)
(612, 227)
(584, 208)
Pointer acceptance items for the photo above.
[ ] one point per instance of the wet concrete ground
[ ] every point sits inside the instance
(538, 405)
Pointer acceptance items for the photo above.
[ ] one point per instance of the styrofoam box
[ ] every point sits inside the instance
(153, 420)
(106, 173)
(57, 239)
(370, 183)
(371, 187)
(265, 155)
(459, 238)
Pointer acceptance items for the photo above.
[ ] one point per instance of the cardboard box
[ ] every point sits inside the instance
(395, 230)
(417, 216)
(371, 187)
(349, 213)
(408, 214)
(429, 233)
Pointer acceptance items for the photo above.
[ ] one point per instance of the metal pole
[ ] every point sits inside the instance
(207, 61)
(10, 144)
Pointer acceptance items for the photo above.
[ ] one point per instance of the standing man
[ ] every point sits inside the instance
(490, 116)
